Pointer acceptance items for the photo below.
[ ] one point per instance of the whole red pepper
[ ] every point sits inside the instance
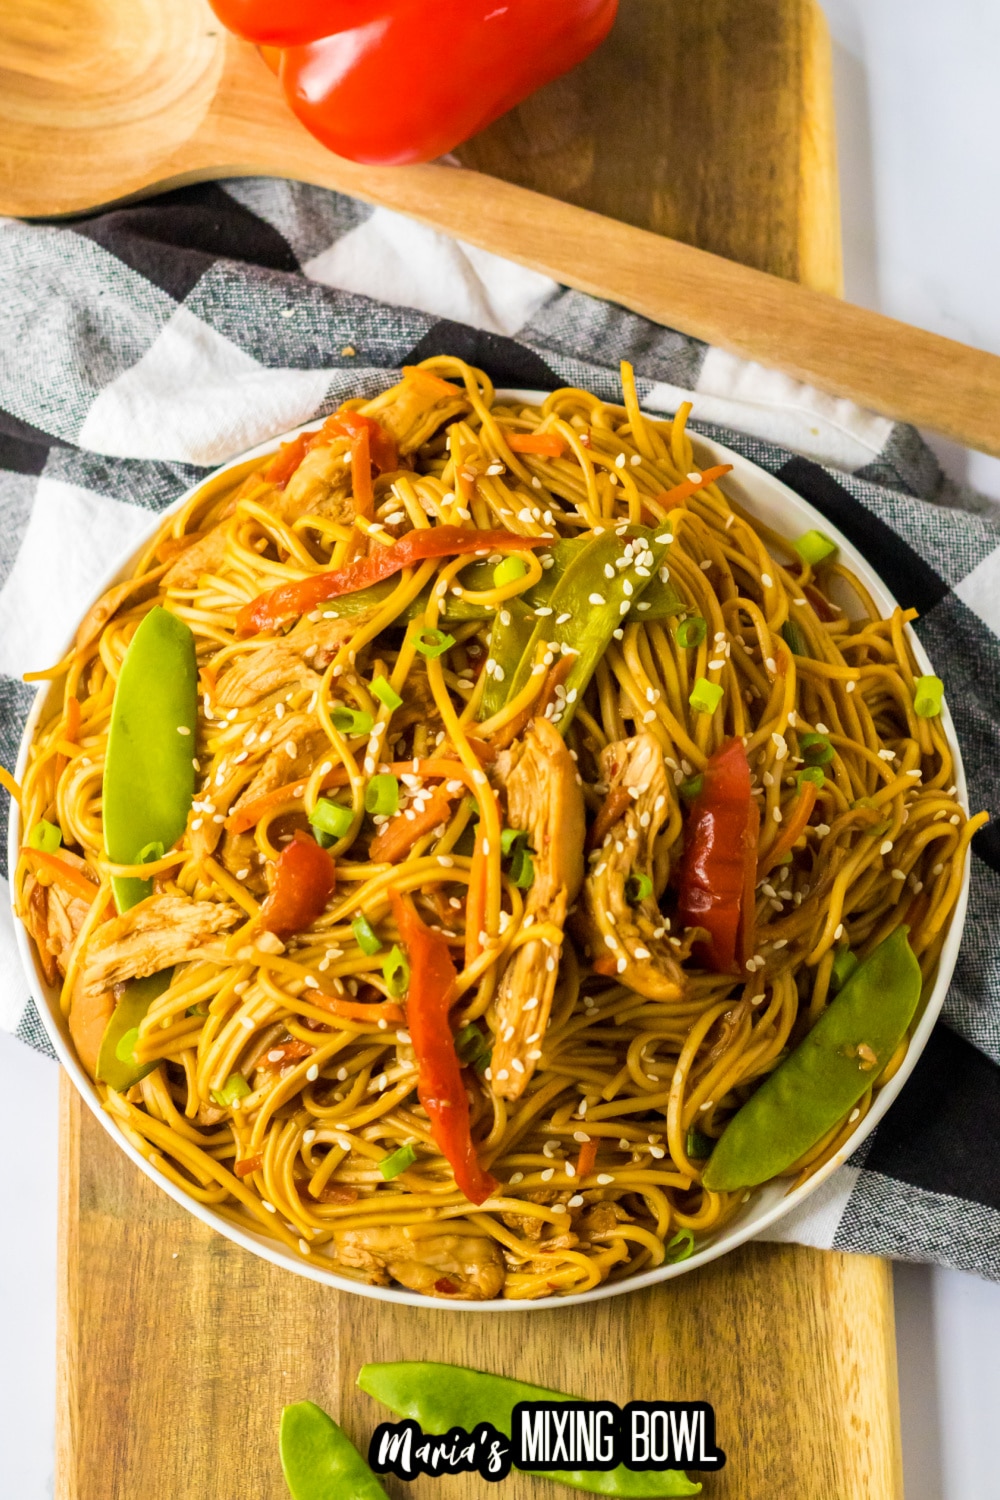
(394, 81)
(440, 1087)
(304, 880)
(718, 867)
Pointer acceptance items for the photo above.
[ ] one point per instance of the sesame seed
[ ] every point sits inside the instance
(596, 599)
(312, 1073)
(183, 729)
(839, 932)
(885, 847)
(767, 580)
(605, 1178)
(548, 1174)
(854, 1115)
(898, 874)
(308, 1136)
(267, 1207)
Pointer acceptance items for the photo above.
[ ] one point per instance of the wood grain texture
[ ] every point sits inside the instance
(185, 1348)
(107, 99)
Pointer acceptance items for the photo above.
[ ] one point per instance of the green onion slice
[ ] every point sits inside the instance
(638, 887)
(331, 817)
(705, 696)
(691, 632)
(794, 638)
(691, 788)
(433, 643)
(365, 936)
(470, 1044)
(813, 547)
(351, 720)
(386, 693)
(816, 749)
(396, 972)
(150, 852)
(512, 839)
(844, 965)
(510, 570)
(522, 869)
(815, 774)
(382, 794)
(698, 1145)
(399, 1161)
(681, 1246)
(45, 836)
(927, 697)
(234, 1089)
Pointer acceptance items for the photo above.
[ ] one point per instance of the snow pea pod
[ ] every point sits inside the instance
(439, 1397)
(588, 605)
(148, 769)
(118, 1071)
(826, 1074)
(318, 1459)
(512, 629)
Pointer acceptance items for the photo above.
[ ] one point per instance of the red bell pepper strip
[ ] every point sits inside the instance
(440, 1087)
(287, 459)
(304, 880)
(353, 424)
(440, 70)
(720, 847)
(792, 830)
(269, 610)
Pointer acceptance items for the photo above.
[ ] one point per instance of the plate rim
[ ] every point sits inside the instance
(760, 1218)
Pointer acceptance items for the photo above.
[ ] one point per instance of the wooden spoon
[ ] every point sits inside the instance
(105, 100)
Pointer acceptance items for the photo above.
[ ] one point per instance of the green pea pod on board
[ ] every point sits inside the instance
(826, 1074)
(318, 1459)
(439, 1397)
(588, 606)
(121, 1072)
(149, 769)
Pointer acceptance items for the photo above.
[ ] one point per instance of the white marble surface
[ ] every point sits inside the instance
(919, 134)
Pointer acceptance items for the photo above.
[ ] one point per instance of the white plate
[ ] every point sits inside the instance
(773, 503)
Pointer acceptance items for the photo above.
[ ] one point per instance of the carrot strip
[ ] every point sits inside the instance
(361, 475)
(357, 1010)
(414, 372)
(248, 1164)
(250, 814)
(475, 904)
(587, 1159)
(612, 809)
(398, 836)
(792, 830)
(73, 880)
(688, 487)
(72, 720)
(548, 443)
(557, 673)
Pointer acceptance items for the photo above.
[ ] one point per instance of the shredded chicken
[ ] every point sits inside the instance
(133, 590)
(414, 410)
(321, 485)
(161, 931)
(204, 555)
(632, 936)
(458, 1267)
(290, 661)
(545, 799)
(54, 917)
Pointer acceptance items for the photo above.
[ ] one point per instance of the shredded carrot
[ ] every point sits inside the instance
(414, 372)
(287, 459)
(292, 1051)
(587, 1159)
(73, 880)
(361, 475)
(398, 836)
(475, 904)
(357, 1010)
(250, 814)
(556, 675)
(688, 487)
(10, 785)
(248, 1164)
(605, 965)
(791, 831)
(548, 443)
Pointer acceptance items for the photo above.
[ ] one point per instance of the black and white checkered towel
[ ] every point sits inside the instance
(142, 347)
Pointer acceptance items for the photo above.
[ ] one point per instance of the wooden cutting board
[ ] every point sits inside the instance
(710, 121)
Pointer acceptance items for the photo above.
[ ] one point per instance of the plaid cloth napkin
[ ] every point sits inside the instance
(142, 347)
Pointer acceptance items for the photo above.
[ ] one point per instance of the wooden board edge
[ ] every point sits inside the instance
(821, 257)
(67, 1292)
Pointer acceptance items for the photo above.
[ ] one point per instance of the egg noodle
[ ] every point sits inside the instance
(594, 1144)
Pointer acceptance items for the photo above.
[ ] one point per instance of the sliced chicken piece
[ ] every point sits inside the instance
(130, 591)
(413, 410)
(297, 658)
(294, 744)
(54, 917)
(545, 799)
(204, 555)
(321, 485)
(161, 931)
(622, 936)
(238, 855)
(458, 1267)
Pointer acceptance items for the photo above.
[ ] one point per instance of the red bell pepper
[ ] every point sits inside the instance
(393, 81)
(267, 611)
(352, 424)
(440, 1087)
(304, 880)
(720, 858)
